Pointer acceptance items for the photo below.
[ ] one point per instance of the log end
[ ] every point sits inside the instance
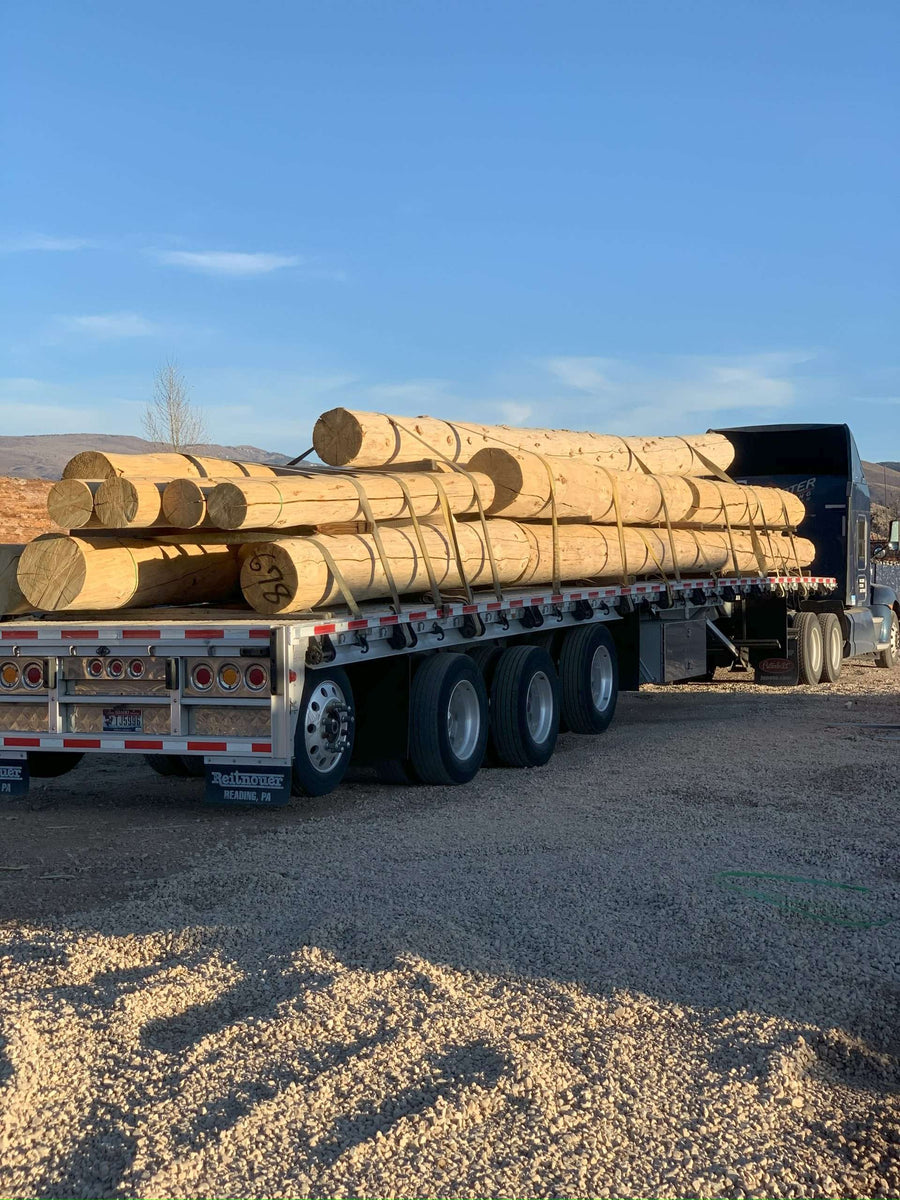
(226, 506)
(51, 572)
(90, 464)
(337, 437)
(70, 503)
(507, 476)
(270, 577)
(183, 504)
(116, 503)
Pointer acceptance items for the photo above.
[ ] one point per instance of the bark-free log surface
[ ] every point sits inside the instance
(293, 574)
(70, 503)
(92, 464)
(60, 573)
(744, 505)
(120, 503)
(345, 437)
(11, 599)
(321, 498)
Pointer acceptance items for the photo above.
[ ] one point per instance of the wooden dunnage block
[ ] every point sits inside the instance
(70, 503)
(345, 437)
(321, 498)
(293, 575)
(59, 573)
(122, 503)
(93, 464)
(12, 601)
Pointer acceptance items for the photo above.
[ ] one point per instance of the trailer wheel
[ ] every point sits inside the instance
(589, 679)
(832, 647)
(485, 659)
(810, 647)
(448, 719)
(524, 707)
(323, 742)
(50, 764)
(890, 656)
(183, 766)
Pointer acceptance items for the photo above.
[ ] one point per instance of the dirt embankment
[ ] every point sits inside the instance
(23, 509)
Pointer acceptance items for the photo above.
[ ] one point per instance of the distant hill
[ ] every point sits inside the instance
(43, 456)
(884, 483)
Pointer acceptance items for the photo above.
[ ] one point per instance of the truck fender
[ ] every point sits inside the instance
(884, 601)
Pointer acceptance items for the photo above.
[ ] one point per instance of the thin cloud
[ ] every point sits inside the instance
(106, 326)
(39, 241)
(228, 262)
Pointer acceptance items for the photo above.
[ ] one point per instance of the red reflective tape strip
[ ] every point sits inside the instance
(574, 595)
(261, 633)
(21, 635)
(261, 747)
(207, 635)
(538, 600)
(470, 608)
(516, 603)
(82, 743)
(418, 616)
(357, 624)
(131, 744)
(494, 605)
(556, 599)
(151, 635)
(392, 620)
(207, 745)
(323, 629)
(21, 741)
(639, 589)
(84, 635)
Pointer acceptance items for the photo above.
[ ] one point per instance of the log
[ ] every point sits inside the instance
(57, 572)
(12, 601)
(293, 575)
(744, 505)
(184, 502)
(120, 502)
(93, 464)
(321, 498)
(586, 492)
(345, 437)
(70, 503)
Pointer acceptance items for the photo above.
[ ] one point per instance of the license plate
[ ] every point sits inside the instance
(123, 720)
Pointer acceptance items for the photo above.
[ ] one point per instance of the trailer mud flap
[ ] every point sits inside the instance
(267, 787)
(14, 776)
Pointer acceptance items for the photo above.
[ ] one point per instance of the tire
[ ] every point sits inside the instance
(891, 655)
(448, 727)
(183, 766)
(395, 771)
(323, 742)
(50, 764)
(524, 707)
(485, 659)
(832, 647)
(810, 648)
(588, 679)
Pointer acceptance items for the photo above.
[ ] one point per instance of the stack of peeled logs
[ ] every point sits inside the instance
(403, 506)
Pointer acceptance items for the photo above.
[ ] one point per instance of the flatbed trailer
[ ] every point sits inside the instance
(264, 707)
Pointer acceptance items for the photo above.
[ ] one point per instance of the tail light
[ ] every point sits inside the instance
(202, 677)
(9, 675)
(256, 677)
(95, 668)
(136, 668)
(115, 668)
(33, 675)
(229, 677)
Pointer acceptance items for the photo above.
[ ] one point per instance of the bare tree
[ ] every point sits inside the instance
(170, 420)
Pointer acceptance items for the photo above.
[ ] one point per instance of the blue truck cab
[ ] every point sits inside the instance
(821, 464)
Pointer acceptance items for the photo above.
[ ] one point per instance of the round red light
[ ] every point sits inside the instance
(116, 668)
(202, 677)
(136, 668)
(95, 667)
(256, 678)
(34, 674)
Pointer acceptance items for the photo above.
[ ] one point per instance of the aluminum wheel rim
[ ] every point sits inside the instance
(463, 720)
(325, 726)
(817, 651)
(601, 678)
(837, 646)
(895, 636)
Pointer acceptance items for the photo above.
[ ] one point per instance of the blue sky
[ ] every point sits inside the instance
(646, 216)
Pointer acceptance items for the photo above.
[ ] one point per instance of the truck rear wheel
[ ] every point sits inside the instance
(50, 764)
(448, 719)
(890, 656)
(589, 679)
(832, 647)
(182, 766)
(810, 647)
(323, 742)
(524, 707)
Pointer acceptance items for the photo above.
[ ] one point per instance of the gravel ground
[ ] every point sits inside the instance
(548, 983)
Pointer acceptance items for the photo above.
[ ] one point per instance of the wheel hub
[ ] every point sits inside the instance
(326, 726)
(463, 720)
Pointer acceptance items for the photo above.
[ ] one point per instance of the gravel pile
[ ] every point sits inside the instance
(549, 983)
